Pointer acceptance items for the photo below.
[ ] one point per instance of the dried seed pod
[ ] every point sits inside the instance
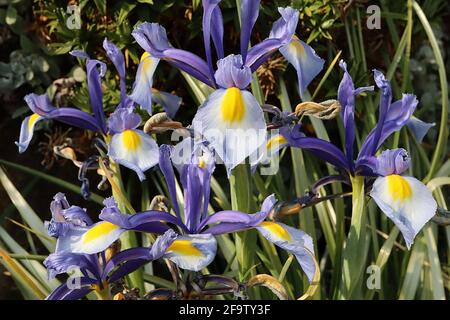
(159, 203)
(161, 122)
(66, 152)
(325, 110)
(269, 282)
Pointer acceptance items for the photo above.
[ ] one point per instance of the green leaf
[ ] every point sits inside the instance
(326, 24)
(413, 270)
(101, 6)
(26, 44)
(26, 212)
(55, 180)
(443, 127)
(58, 48)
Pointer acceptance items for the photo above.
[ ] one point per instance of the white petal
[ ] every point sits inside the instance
(97, 239)
(406, 201)
(134, 149)
(26, 131)
(293, 240)
(192, 252)
(233, 122)
(305, 61)
(142, 91)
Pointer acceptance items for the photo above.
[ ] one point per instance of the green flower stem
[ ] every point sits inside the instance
(128, 239)
(353, 256)
(103, 294)
(241, 196)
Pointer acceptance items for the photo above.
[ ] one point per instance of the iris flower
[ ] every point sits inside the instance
(405, 200)
(195, 245)
(97, 270)
(127, 145)
(231, 119)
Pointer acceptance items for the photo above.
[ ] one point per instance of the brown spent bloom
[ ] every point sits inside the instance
(267, 74)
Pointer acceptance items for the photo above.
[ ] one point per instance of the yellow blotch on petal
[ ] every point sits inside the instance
(399, 187)
(295, 47)
(201, 163)
(185, 248)
(276, 230)
(98, 231)
(33, 118)
(276, 140)
(233, 107)
(147, 61)
(131, 140)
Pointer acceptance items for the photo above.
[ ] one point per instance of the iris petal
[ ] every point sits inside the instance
(233, 122)
(192, 252)
(99, 237)
(135, 150)
(305, 61)
(406, 201)
(26, 131)
(419, 128)
(142, 91)
(293, 240)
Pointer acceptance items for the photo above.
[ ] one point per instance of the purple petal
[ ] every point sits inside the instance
(118, 60)
(39, 104)
(111, 213)
(165, 164)
(170, 102)
(320, 148)
(217, 31)
(76, 118)
(136, 257)
(281, 34)
(208, 9)
(77, 216)
(419, 128)
(95, 90)
(232, 221)
(249, 15)
(346, 97)
(153, 38)
(138, 220)
(123, 119)
(396, 117)
(64, 293)
(394, 161)
(232, 73)
(57, 263)
(385, 102)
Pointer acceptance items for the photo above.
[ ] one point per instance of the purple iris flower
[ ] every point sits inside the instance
(127, 145)
(405, 200)
(153, 39)
(96, 271)
(392, 117)
(231, 118)
(44, 110)
(68, 223)
(195, 246)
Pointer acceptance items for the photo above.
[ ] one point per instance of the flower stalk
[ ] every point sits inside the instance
(353, 259)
